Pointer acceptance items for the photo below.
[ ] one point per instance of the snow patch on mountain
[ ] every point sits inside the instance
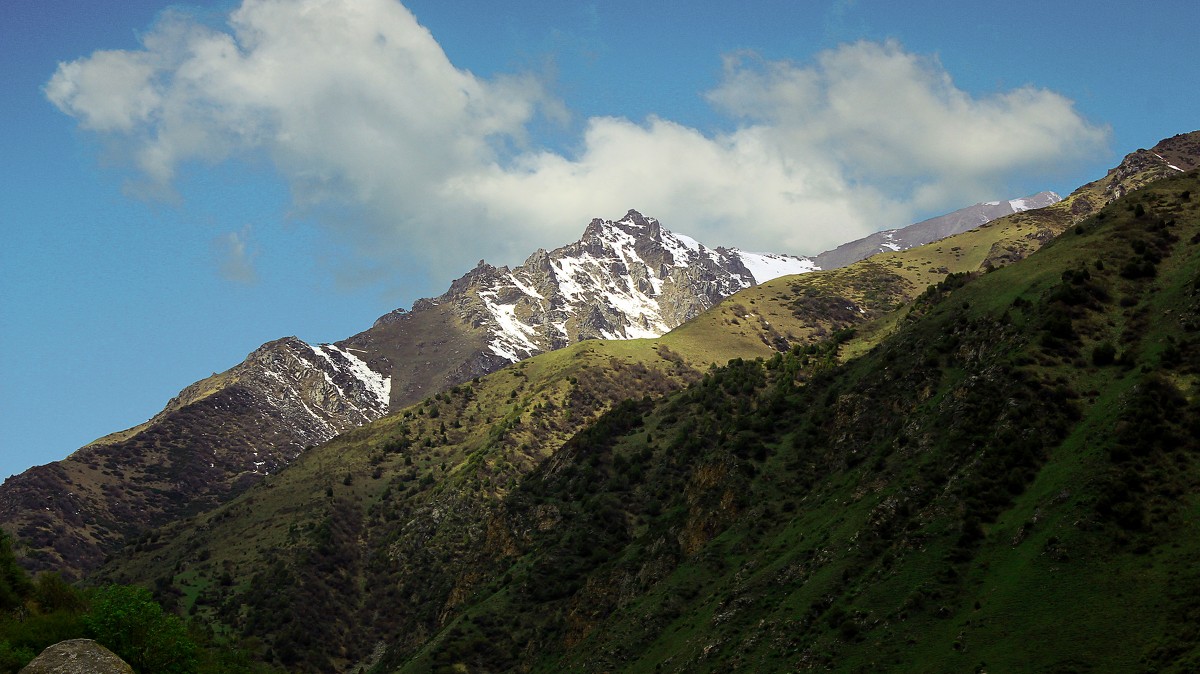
(1040, 200)
(766, 266)
(1169, 164)
(373, 384)
(511, 338)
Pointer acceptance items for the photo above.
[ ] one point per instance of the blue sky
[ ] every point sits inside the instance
(182, 183)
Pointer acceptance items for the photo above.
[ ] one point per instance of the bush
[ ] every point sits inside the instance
(1104, 354)
(14, 583)
(13, 658)
(129, 622)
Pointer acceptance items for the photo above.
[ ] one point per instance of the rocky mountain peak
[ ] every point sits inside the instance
(621, 279)
(1169, 157)
(634, 218)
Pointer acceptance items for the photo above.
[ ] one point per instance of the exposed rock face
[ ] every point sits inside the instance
(77, 656)
(1141, 167)
(930, 230)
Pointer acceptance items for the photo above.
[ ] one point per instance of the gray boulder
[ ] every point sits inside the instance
(77, 656)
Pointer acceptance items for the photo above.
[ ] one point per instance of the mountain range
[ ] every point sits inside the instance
(914, 461)
(623, 279)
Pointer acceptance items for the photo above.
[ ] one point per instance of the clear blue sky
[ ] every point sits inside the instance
(179, 184)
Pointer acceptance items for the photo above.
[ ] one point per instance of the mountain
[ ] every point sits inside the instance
(622, 279)
(944, 452)
(930, 230)
(1003, 484)
(216, 438)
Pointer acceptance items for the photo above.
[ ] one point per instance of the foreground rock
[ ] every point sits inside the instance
(77, 656)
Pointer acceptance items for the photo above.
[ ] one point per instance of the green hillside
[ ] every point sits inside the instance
(994, 473)
(1008, 483)
(408, 504)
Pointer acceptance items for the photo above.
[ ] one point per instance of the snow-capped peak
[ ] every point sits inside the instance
(622, 279)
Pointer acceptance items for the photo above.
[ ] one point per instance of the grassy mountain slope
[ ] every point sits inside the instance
(809, 308)
(380, 530)
(473, 535)
(812, 306)
(1007, 483)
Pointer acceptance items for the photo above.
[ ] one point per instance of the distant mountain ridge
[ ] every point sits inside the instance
(928, 231)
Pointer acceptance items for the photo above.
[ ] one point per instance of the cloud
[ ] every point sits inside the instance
(236, 257)
(896, 120)
(357, 106)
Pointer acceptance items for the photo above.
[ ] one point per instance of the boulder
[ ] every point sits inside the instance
(77, 656)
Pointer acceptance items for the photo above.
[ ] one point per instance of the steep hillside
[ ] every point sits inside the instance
(797, 309)
(1003, 484)
(219, 436)
(391, 532)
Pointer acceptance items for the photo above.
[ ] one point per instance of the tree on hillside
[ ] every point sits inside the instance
(14, 582)
(129, 622)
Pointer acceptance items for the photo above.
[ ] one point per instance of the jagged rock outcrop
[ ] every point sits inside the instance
(1141, 167)
(77, 656)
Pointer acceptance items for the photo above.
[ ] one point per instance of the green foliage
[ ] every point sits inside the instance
(35, 614)
(129, 622)
(125, 619)
(1104, 353)
(13, 658)
(14, 583)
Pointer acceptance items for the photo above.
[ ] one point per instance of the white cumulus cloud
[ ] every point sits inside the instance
(358, 107)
